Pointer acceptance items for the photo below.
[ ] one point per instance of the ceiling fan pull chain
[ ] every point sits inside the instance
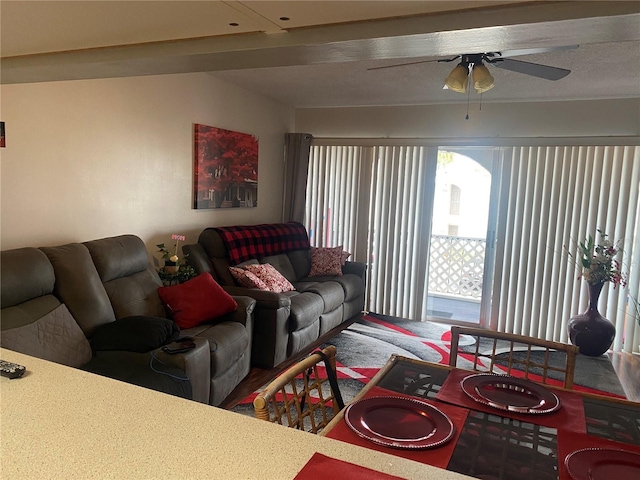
(468, 96)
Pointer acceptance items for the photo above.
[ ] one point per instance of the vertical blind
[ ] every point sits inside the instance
(553, 198)
(373, 201)
(377, 202)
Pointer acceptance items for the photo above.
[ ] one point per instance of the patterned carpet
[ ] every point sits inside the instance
(366, 345)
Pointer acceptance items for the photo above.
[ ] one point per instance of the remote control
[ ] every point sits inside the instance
(11, 370)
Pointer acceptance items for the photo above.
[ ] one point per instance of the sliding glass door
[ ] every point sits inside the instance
(461, 246)
(418, 216)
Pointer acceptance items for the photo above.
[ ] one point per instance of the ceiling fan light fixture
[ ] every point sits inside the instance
(458, 79)
(482, 79)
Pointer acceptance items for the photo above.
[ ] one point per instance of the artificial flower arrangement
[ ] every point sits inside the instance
(174, 271)
(597, 261)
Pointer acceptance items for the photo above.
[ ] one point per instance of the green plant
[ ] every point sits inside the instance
(167, 255)
(184, 273)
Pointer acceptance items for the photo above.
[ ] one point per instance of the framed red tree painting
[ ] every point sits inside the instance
(225, 169)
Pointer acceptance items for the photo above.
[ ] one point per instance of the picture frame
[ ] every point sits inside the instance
(225, 168)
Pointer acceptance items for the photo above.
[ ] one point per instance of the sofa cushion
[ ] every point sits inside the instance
(27, 312)
(332, 319)
(306, 309)
(283, 265)
(135, 334)
(26, 274)
(352, 285)
(27, 280)
(330, 292)
(55, 337)
(129, 280)
(117, 257)
(247, 279)
(252, 261)
(196, 301)
(301, 263)
(326, 261)
(79, 286)
(273, 279)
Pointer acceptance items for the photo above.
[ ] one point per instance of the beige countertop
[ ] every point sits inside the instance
(61, 423)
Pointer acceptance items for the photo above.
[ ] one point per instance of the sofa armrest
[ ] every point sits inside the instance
(356, 268)
(243, 314)
(196, 363)
(263, 298)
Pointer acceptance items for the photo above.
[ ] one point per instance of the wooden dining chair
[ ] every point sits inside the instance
(498, 352)
(303, 397)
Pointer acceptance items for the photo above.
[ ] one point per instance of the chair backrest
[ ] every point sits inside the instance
(496, 352)
(302, 396)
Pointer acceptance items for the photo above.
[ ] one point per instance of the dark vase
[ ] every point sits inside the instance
(590, 331)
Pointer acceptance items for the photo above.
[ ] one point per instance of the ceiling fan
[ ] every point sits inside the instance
(473, 66)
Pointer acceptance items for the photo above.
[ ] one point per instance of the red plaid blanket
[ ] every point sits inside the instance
(245, 242)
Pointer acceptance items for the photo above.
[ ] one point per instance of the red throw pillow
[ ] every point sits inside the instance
(326, 261)
(196, 301)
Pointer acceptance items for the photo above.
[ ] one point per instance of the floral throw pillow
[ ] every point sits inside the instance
(272, 278)
(247, 279)
(326, 261)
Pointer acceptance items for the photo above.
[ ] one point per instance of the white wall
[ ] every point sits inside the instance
(545, 119)
(95, 158)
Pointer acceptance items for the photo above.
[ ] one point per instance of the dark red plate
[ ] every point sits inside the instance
(603, 464)
(399, 422)
(510, 393)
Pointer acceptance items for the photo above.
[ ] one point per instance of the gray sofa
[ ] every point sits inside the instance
(285, 323)
(110, 283)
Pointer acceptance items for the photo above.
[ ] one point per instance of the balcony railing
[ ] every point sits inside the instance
(456, 266)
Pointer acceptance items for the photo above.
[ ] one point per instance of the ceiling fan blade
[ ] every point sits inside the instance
(533, 69)
(414, 63)
(533, 51)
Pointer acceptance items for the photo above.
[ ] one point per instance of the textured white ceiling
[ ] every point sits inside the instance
(321, 55)
(597, 71)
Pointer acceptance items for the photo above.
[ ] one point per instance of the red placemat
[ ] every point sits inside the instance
(438, 457)
(321, 466)
(570, 415)
(569, 442)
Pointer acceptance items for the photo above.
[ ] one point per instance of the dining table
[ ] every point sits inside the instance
(491, 427)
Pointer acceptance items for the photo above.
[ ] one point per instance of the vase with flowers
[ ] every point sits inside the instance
(590, 331)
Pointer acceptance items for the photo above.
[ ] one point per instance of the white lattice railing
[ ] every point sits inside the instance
(456, 265)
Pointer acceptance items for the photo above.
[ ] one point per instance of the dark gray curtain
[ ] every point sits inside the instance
(296, 165)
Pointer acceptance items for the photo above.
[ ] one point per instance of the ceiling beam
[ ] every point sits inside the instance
(544, 24)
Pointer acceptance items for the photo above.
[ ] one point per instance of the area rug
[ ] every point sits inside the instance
(364, 347)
